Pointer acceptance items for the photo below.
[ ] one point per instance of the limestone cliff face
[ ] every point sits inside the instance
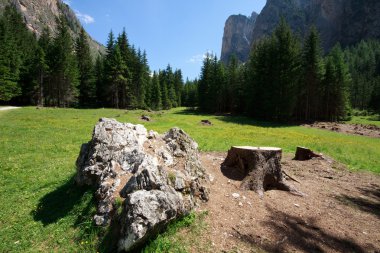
(238, 36)
(343, 21)
(39, 14)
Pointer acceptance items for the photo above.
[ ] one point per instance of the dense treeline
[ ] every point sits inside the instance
(289, 79)
(364, 64)
(56, 70)
(286, 77)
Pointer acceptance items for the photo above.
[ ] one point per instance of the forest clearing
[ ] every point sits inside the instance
(43, 210)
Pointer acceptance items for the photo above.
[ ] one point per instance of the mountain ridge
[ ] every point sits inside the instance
(343, 21)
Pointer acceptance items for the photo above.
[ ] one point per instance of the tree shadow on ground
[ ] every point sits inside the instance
(299, 234)
(369, 202)
(57, 204)
(236, 119)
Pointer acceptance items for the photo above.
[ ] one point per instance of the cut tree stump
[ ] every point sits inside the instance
(206, 122)
(145, 118)
(260, 167)
(304, 154)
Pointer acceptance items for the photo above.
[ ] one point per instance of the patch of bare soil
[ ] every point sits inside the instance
(355, 129)
(340, 212)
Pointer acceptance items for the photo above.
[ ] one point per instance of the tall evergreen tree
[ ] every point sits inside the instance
(17, 48)
(156, 102)
(64, 68)
(205, 84)
(100, 83)
(116, 76)
(337, 80)
(274, 67)
(87, 90)
(310, 91)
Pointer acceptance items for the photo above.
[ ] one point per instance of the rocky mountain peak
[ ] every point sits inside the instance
(237, 36)
(343, 21)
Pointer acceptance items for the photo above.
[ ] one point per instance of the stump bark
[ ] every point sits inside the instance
(304, 154)
(261, 167)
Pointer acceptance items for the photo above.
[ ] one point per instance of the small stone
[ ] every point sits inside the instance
(296, 205)
(235, 195)
(249, 203)
(244, 198)
(240, 204)
(229, 181)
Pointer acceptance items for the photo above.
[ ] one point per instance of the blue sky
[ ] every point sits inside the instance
(171, 31)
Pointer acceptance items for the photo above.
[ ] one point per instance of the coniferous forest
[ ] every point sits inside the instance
(291, 78)
(56, 70)
(286, 77)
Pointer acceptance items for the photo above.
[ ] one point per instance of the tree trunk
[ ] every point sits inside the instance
(261, 168)
(304, 154)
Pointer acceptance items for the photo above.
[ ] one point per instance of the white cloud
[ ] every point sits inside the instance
(200, 57)
(85, 18)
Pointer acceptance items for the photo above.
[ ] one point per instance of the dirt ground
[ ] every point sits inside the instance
(340, 212)
(355, 129)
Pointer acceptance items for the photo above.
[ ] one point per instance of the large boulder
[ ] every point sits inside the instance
(158, 177)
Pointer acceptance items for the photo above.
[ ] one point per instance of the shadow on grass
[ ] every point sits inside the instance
(369, 203)
(70, 199)
(236, 119)
(59, 203)
(293, 231)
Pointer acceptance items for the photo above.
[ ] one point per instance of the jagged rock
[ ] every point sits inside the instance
(237, 37)
(159, 176)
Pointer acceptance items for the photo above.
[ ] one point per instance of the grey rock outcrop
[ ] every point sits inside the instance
(237, 37)
(159, 177)
(343, 21)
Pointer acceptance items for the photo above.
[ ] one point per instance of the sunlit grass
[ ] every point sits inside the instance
(366, 120)
(41, 208)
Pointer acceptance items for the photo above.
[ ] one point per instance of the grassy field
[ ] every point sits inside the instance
(366, 120)
(42, 210)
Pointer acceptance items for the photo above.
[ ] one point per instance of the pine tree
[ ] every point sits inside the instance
(233, 88)
(204, 84)
(125, 51)
(178, 86)
(87, 91)
(156, 102)
(274, 67)
(13, 51)
(337, 80)
(310, 91)
(64, 70)
(116, 76)
(100, 84)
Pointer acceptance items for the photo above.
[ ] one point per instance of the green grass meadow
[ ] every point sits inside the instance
(41, 210)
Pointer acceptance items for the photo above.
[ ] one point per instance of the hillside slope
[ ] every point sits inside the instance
(39, 14)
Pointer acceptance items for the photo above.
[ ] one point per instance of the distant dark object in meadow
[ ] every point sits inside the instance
(145, 118)
(304, 154)
(206, 122)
